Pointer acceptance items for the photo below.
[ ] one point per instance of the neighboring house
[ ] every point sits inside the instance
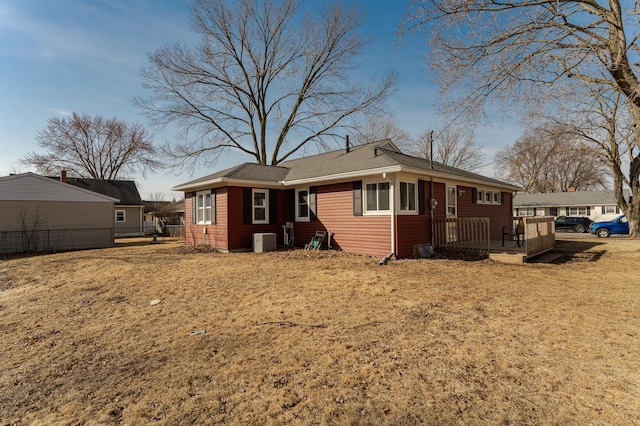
(596, 205)
(371, 198)
(42, 214)
(158, 214)
(128, 211)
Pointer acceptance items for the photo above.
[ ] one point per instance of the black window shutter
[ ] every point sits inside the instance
(588, 210)
(292, 204)
(313, 203)
(502, 198)
(617, 209)
(214, 211)
(194, 207)
(247, 206)
(474, 195)
(421, 206)
(602, 209)
(357, 198)
(273, 206)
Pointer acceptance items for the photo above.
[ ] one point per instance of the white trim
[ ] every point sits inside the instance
(455, 199)
(124, 216)
(265, 206)
(399, 210)
(377, 212)
(353, 175)
(201, 220)
(299, 218)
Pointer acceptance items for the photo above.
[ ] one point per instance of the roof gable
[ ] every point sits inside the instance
(32, 187)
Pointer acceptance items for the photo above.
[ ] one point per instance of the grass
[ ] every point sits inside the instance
(326, 338)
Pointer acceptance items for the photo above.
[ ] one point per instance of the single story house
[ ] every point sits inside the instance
(596, 205)
(371, 198)
(42, 214)
(128, 211)
(160, 214)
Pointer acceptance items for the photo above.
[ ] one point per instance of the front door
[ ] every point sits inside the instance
(451, 213)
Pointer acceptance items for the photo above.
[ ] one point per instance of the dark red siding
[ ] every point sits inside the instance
(499, 214)
(241, 234)
(215, 235)
(368, 235)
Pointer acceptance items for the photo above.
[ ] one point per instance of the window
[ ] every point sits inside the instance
(451, 201)
(407, 196)
(526, 211)
(120, 216)
(578, 211)
(484, 196)
(302, 205)
(204, 210)
(377, 197)
(610, 209)
(260, 206)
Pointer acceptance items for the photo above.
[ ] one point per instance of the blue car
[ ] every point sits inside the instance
(619, 225)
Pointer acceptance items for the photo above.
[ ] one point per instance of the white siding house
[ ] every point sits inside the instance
(42, 214)
(596, 205)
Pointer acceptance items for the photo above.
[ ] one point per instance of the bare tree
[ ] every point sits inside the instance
(452, 145)
(608, 126)
(265, 80)
(93, 147)
(549, 158)
(382, 126)
(512, 51)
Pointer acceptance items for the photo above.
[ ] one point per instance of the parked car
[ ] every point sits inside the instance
(619, 225)
(573, 223)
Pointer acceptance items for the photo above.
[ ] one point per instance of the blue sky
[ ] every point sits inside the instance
(61, 56)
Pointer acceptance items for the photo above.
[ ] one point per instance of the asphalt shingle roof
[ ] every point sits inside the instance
(360, 158)
(563, 199)
(124, 190)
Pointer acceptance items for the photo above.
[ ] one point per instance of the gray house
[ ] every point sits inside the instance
(128, 212)
(596, 205)
(42, 214)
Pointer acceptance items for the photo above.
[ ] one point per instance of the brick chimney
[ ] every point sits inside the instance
(63, 176)
(572, 189)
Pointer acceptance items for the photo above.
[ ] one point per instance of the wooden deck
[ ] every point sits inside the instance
(510, 253)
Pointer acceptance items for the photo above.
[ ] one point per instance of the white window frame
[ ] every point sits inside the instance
(376, 211)
(298, 204)
(451, 190)
(400, 184)
(124, 216)
(610, 209)
(525, 211)
(265, 207)
(579, 211)
(480, 196)
(485, 196)
(201, 211)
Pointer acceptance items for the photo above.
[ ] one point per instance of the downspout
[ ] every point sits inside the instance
(141, 220)
(392, 200)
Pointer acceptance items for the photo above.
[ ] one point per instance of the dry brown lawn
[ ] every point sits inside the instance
(319, 338)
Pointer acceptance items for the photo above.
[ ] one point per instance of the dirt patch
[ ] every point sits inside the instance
(155, 333)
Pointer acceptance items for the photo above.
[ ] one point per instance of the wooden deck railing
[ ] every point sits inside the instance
(468, 236)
